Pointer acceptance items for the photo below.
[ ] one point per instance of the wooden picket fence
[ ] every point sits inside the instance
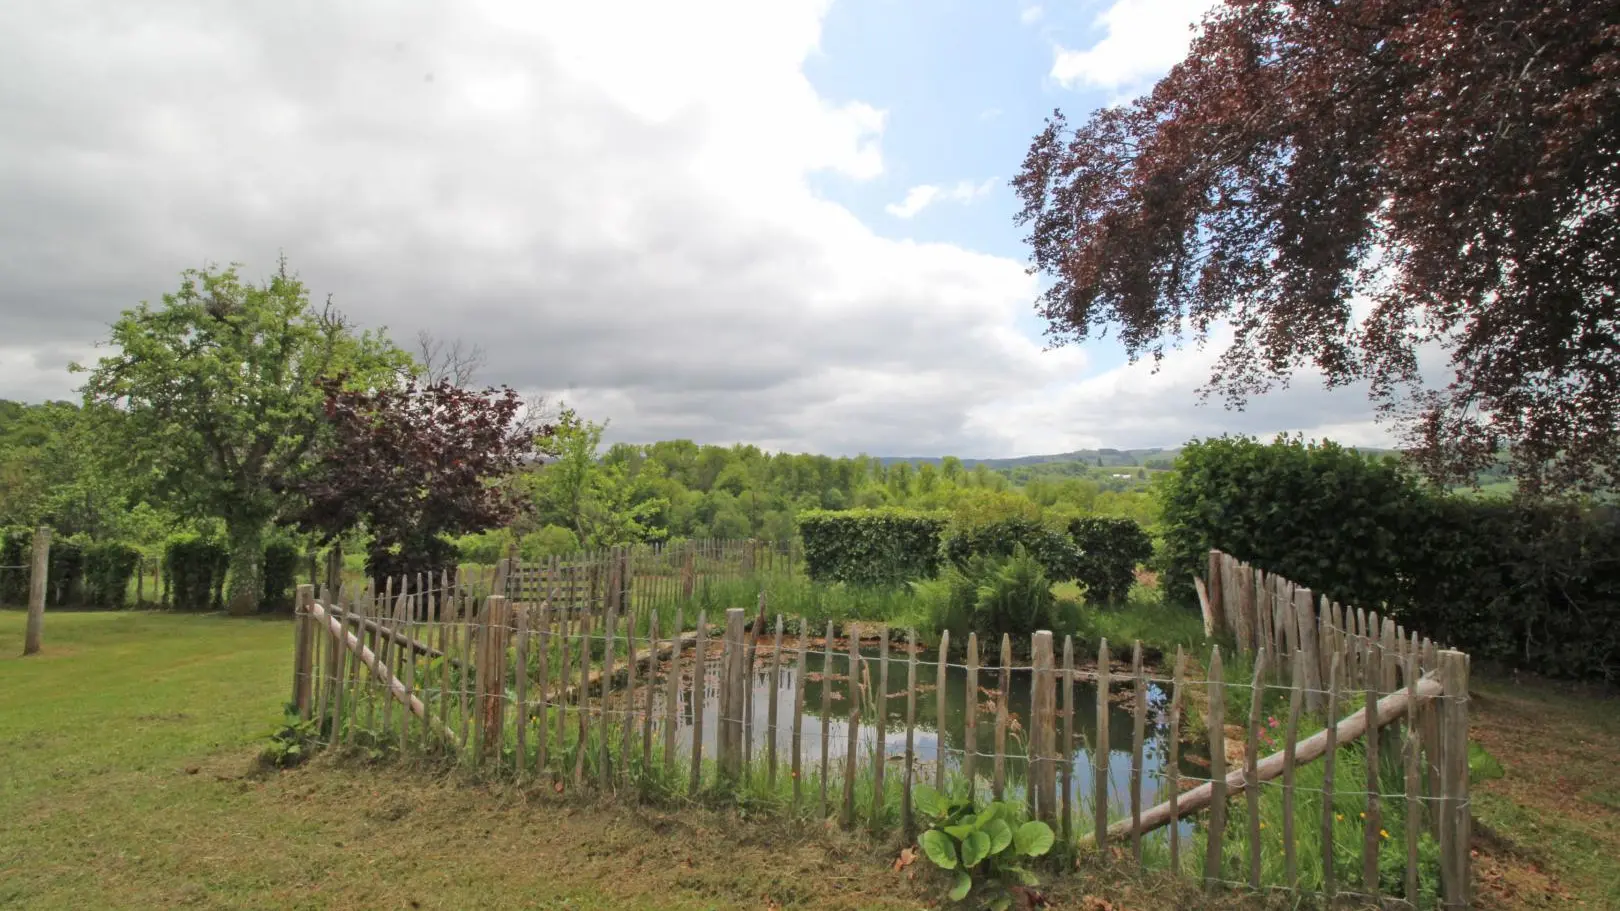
(611, 692)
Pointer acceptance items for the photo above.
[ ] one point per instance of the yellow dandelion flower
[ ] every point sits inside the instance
(1339, 817)
(1262, 825)
(1364, 816)
(1383, 833)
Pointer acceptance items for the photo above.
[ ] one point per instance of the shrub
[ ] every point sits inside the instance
(1057, 554)
(108, 567)
(15, 544)
(550, 541)
(195, 567)
(1110, 550)
(281, 559)
(870, 546)
(990, 596)
(1530, 585)
(484, 548)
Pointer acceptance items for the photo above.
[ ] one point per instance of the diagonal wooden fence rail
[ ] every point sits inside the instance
(1359, 789)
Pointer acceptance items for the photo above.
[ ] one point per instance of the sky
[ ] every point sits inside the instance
(785, 223)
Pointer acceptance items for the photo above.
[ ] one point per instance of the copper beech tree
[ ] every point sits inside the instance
(413, 464)
(1349, 183)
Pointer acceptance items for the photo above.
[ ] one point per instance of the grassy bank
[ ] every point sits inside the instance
(130, 750)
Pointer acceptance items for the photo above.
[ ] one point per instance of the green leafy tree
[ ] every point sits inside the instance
(221, 388)
(595, 499)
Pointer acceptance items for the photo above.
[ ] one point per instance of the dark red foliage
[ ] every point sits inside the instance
(413, 464)
(1452, 164)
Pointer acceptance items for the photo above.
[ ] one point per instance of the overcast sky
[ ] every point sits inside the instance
(785, 223)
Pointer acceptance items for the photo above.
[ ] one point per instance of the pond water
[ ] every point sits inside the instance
(930, 745)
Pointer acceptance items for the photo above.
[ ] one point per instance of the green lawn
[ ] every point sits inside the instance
(129, 748)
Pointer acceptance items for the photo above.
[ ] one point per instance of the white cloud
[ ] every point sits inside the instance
(1134, 405)
(1030, 15)
(921, 197)
(1141, 39)
(613, 198)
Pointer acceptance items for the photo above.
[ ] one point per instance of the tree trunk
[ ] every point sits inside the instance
(245, 583)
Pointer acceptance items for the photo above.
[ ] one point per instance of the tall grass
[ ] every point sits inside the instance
(1349, 806)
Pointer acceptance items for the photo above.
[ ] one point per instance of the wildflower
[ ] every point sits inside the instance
(1339, 817)
(1364, 816)
(1383, 833)
(1262, 825)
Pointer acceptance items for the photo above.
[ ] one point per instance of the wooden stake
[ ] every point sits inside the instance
(652, 675)
(583, 699)
(1042, 783)
(1371, 832)
(1302, 663)
(1414, 783)
(1099, 752)
(826, 714)
(672, 696)
(970, 753)
(847, 817)
(1003, 695)
(304, 652)
(880, 747)
(907, 824)
(1174, 762)
(1217, 769)
(1454, 822)
(733, 680)
(940, 681)
(542, 757)
(1138, 735)
(522, 714)
(771, 709)
(798, 714)
(1251, 759)
(1066, 765)
(700, 659)
(628, 720)
(1330, 736)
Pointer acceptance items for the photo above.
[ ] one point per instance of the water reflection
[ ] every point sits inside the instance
(930, 745)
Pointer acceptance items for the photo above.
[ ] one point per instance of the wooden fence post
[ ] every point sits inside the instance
(303, 652)
(492, 676)
(852, 756)
(1099, 752)
(1066, 755)
(1138, 737)
(1043, 737)
(1217, 614)
(733, 680)
(1454, 811)
(880, 756)
(41, 560)
(907, 827)
(1217, 769)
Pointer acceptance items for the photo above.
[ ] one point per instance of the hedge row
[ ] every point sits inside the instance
(870, 546)
(1530, 586)
(80, 573)
(888, 546)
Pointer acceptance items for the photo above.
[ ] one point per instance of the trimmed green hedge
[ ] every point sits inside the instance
(1054, 551)
(194, 568)
(1529, 586)
(108, 567)
(1110, 550)
(281, 560)
(80, 574)
(871, 546)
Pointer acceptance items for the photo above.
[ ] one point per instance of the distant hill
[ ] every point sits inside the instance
(1111, 458)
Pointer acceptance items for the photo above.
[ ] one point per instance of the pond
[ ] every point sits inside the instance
(930, 744)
